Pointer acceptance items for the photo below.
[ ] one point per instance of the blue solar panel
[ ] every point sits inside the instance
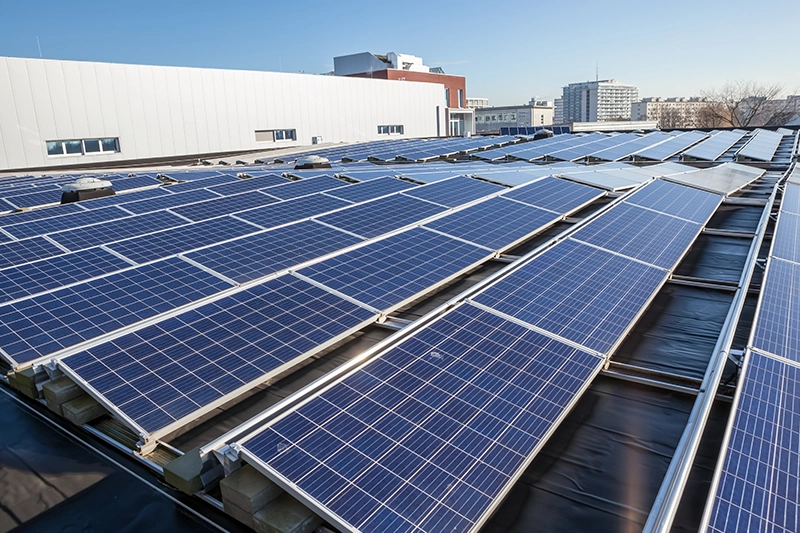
(168, 370)
(201, 183)
(555, 194)
(581, 293)
(495, 223)
(385, 273)
(60, 223)
(292, 210)
(44, 324)
(137, 182)
(777, 328)
(116, 230)
(639, 233)
(20, 252)
(456, 191)
(787, 237)
(761, 473)
(249, 184)
(191, 175)
(168, 201)
(677, 200)
(28, 216)
(425, 437)
(224, 206)
(33, 199)
(264, 253)
(381, 216)
(39, 276)
(789, 204)
(181, 239)
(121, 199)
(307, 186)
(371, 189)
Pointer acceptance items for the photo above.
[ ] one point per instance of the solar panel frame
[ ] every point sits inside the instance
(672, 147)
(33, 199)
(714, 146)
(786, 239)
(777, 321)
(554, 194)
(761, 146)
(455, 191)
(677, 200)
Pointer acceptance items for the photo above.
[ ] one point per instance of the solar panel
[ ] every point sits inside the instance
(758, 487)
(44, 324)
(639, 233)
(581, 293)
(381, 216)
(791, 199)
(72, 220)
(267, 252)
(496, 223)
(137, 182)
(120, 199)
(190, 174)
(292, 210)
(249, 184)
(39, 276)
(116, 230)
(555, 194)
(621, 151)
(777, 327)
(456, 191)
(713, 147)
(28, 216)
(761, 146)
(726, 178)
(426, 437)
(224, 206)
(19, 252)
(181, 239)
(169, 201)
(430, 176)
(201, 183)
(671, 147)
(676, 200)
(368, 190)
(306, 186)
(170, 369)
(33, 199)
(786, 241)
(388, 272)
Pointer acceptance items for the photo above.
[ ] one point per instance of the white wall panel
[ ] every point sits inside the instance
(25, 110)
(168, 94)
(13, 154)
(76, 103)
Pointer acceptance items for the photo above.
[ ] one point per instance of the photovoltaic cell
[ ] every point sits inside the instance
(777, 328)
(224, 206)
(28, 216)
(758, 487)
(44, 324)
(249, 184)
(292, 210)
(60, 223)
(371, 189)
(581, 293)
(555, 194)
(306, 186)
(33, 199)
(789, 204)
(201, 183)
(495, 223)
(121, 199)
(648, 236)
(137, 182)
(425, 437)
(786, 241)
(115, 230)
(387, 272)
(166, 201)
(168, 370)
(455, 191)
(261, 254)
(381, 216)
(181, 239)
(677, 200)
(20, 252)
(33, 278)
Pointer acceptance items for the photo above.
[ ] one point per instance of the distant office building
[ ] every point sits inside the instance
(475, 103)
(558, 111)
(597, 101)
(777, 112)
(404, 67)
(671, 112)
(534, 113)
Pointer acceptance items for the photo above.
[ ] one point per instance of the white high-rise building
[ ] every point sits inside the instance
(597, 101)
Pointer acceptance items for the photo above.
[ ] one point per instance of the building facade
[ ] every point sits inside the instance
(475, 103)
(491, 119)
(459, 119)
(57, 113)
(671, 112)
(597, 101)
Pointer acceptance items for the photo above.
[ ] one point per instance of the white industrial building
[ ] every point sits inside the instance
(597, 101)
(671, 112)
(534, 113)
(62, 113)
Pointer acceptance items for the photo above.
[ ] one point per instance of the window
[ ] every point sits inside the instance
(275, 135)
(387, 130)
(446, 97)
(82, 146)
(461, 98)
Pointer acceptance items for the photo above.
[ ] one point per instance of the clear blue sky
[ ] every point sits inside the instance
(509, 51)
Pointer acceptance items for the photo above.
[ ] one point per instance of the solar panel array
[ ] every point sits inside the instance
(429, 433)
(714, 146)
(759, 472)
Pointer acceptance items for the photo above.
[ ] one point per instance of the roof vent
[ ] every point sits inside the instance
(85, 189)
(312, 161)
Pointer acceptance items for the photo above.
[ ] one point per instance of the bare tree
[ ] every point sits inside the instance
(670, 118)
(742, 103)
